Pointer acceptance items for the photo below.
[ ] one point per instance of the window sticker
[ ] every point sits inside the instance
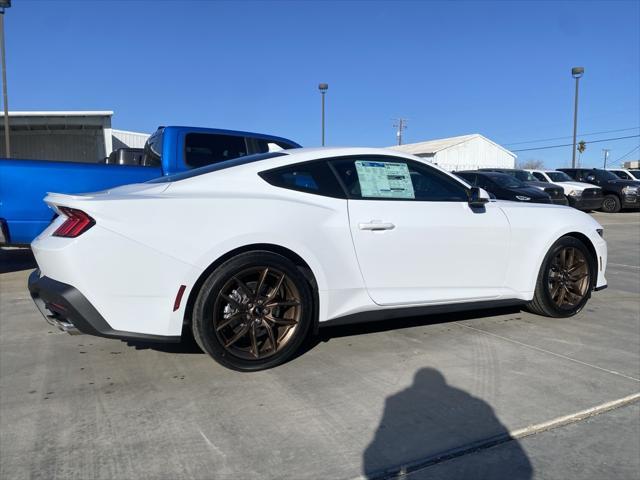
(384, 180)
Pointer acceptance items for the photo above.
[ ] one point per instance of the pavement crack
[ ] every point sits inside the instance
(559, 355)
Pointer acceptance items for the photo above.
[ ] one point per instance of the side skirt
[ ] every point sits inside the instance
(404, 312)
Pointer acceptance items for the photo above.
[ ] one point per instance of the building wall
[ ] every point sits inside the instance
(88, 145)
(67, 145)
(122, 138)
(473, 154)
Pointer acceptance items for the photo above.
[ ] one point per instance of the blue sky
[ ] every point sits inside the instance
(501, 69)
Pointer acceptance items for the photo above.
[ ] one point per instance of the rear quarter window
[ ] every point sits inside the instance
(310, 177)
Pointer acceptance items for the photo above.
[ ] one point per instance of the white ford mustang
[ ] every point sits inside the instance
(254, 253)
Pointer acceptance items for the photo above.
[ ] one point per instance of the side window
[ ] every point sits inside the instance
(389, 178)
(310, 177)
(206, 148)
(540, 177)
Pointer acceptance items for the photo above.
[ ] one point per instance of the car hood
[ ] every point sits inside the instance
(625, 183)
(576, 185)
(532, 192)
(542, 185)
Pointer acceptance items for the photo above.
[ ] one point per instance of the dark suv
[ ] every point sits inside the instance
(555, 192)
(618, 193)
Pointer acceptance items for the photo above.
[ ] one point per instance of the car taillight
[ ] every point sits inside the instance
(77, 223)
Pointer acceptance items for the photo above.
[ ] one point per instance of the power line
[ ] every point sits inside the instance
(569, 136)
(617, 161)
(571, 144)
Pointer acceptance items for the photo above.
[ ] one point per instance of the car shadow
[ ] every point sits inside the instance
(188, 344)
(16, 260)
(427, 429)
(328, 332)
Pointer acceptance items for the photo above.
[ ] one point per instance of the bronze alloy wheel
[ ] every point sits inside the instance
(256, 312)
(569, 278)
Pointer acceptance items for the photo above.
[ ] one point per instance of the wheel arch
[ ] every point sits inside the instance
(595, 261)
(578, 236)
(300, 262)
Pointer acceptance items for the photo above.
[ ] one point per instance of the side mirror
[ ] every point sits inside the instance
(478, 197)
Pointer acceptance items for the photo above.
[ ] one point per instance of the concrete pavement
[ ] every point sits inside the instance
(366, 400)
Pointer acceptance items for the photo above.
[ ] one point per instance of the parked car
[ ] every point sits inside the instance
(504, 187)
(618, 193)
(253, 254)
(556, 194)
(626, 173)
(24, 183)
(582, 196)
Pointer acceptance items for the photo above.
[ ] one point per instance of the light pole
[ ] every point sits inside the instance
(576, 72)
(605, 154)
(4, 4)
(323, 87)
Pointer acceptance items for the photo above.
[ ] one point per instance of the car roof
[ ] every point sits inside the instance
(486, 173)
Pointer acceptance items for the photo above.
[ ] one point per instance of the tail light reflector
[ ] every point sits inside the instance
(77, 223)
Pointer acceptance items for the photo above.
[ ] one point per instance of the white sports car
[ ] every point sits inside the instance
(253, 254)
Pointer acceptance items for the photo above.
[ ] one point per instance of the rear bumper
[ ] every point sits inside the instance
(64, 307)
(586, 203)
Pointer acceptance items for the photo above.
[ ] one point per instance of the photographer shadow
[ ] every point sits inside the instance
(428, 428)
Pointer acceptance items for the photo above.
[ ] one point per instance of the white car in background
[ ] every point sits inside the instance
(253, 254)
(583, 196)
(625, 173)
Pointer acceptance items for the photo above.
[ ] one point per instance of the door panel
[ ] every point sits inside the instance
(414, 252)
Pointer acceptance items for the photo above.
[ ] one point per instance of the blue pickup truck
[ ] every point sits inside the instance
(24, 183)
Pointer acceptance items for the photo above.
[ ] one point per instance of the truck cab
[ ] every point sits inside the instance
(618, 193)
(170, 150)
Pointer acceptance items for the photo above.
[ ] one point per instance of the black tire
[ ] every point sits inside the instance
(611, 204)
(208, 321)
(543, 303)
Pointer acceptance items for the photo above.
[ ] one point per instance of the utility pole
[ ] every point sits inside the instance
(7, 146)
(576, 72)
(605, 152)
(401, 124)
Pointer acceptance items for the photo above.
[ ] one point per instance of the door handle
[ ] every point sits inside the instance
(375, 225)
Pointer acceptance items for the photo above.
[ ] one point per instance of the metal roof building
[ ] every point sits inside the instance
(78, 136)
(466, 152)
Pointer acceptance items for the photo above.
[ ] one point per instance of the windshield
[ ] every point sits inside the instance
(635, 173)
(506, 181)
(216, 166)
(524, 176)
(559, 177)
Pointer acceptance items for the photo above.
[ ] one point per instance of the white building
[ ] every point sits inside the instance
(467, 152)
(77, 136)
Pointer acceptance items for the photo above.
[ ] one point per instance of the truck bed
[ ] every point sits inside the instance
(24, 183)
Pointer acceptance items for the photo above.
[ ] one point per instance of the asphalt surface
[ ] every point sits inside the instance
(440, 397)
